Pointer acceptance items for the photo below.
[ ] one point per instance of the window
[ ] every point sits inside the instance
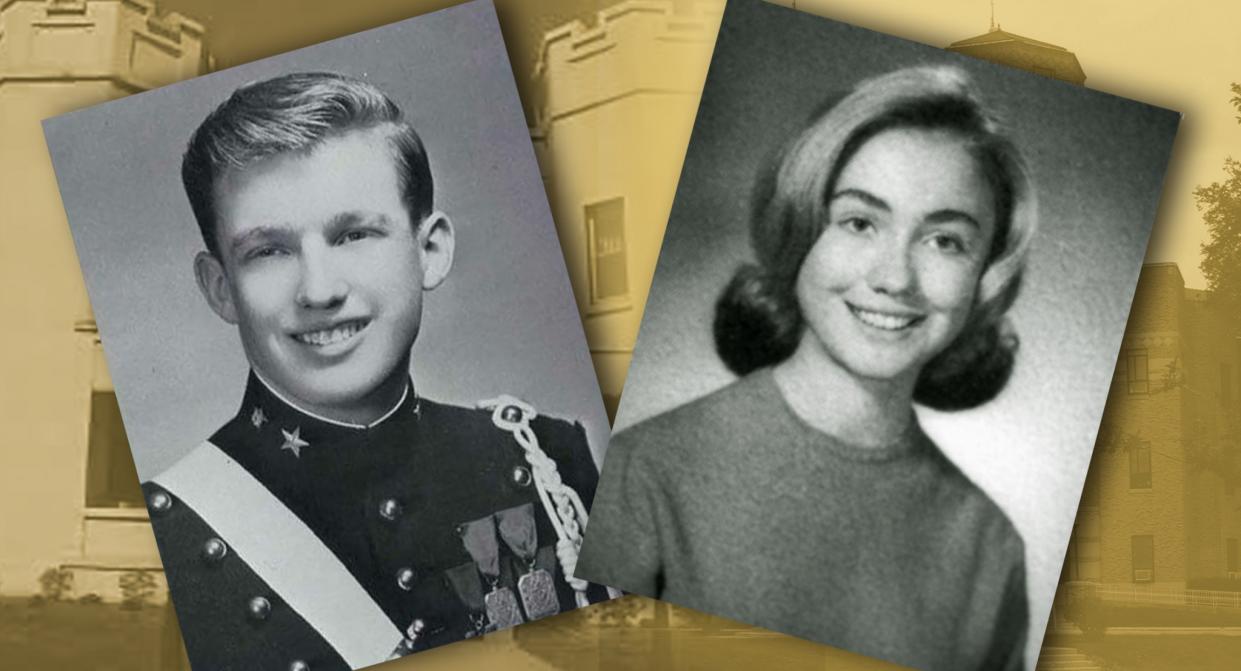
(1140, 465)
(1234, 560)
(1083, 559)
(1143, 558)
(111, 480)
(608, 257)
(1136, 372)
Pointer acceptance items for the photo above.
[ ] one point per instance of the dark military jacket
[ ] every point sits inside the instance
(391, 501)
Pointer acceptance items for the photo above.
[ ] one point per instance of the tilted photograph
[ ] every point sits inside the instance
(343, 344)
(878, 343)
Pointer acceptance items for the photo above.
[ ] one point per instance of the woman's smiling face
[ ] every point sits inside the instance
(892, 278)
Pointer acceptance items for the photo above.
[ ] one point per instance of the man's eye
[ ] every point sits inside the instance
(264, 252)
(857, 224)
(353, 236)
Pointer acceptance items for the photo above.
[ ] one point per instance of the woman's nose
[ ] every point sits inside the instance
(321, 285)
(891, 270)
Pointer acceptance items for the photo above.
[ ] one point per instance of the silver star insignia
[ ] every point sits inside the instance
(257, 418)
(293, 441)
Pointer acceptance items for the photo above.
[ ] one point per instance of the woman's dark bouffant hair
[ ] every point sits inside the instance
(757, 320)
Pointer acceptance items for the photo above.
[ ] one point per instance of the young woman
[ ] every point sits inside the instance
(804, 497)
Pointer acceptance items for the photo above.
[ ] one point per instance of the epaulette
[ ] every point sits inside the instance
(562, 504)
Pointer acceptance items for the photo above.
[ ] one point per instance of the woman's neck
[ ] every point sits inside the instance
(860, 411)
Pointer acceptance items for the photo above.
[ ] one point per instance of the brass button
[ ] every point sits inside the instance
(511, 413)
(298, 665)
(390, 509)
(416, 628)
(259, 608)
(405, 578)
(214, 550)
(160, 501)
(521, 476)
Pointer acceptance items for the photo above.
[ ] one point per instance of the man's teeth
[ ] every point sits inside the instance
(330, 336)
(883, 321)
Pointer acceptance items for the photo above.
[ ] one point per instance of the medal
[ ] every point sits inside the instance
(464, 581)
(500, 604)
(502, 609)
(537, 588)
(538, 594)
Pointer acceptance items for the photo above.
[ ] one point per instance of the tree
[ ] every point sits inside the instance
(1220, 204)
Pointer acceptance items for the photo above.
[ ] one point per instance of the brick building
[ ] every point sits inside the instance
(1161, 505)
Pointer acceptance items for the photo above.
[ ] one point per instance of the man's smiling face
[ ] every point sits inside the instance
(323, 271)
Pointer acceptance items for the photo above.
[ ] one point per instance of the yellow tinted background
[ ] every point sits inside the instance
(1181, 55)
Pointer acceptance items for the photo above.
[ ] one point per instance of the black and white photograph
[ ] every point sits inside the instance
(344, 346)
(880, 337)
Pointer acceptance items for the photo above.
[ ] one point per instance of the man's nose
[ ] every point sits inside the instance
(321, 285)
(892, 269)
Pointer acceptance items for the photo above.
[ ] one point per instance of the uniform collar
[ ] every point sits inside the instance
(265, 409)
(280, 399)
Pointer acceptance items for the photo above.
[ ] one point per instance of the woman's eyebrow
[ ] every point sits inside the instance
(864, 196)
(948, 215)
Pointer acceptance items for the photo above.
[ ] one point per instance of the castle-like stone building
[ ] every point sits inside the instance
(69, 501)
(617, 98)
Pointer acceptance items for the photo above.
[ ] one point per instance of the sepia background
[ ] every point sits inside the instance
(610, 88)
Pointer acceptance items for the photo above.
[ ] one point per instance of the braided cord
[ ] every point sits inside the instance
(562, 504)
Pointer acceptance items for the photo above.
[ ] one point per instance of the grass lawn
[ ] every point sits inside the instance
(1162, 653)
(75, 636)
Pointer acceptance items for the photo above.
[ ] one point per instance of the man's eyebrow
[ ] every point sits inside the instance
(864, 196)
(949, 215)
(355, 216)
(258, 232)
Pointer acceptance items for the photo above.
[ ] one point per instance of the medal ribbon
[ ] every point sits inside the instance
(464, 579)
(479, 538)
(518, 531)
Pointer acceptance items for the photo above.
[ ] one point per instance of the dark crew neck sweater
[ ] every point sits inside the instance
(732, 505)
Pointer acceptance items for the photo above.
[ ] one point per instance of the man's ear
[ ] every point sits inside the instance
(213, 283)
(436, 242)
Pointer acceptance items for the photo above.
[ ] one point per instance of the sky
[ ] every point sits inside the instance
(1180, 54)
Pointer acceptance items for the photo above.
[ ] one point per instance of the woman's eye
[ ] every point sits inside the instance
(857, 224)
(944, 242)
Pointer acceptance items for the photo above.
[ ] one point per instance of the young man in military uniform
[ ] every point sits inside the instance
(339, 519)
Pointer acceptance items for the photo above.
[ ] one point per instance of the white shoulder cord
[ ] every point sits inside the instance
(562, 504)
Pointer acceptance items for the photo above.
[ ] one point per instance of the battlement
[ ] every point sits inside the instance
(638, 45)
(128, 42)
(1165, 275)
